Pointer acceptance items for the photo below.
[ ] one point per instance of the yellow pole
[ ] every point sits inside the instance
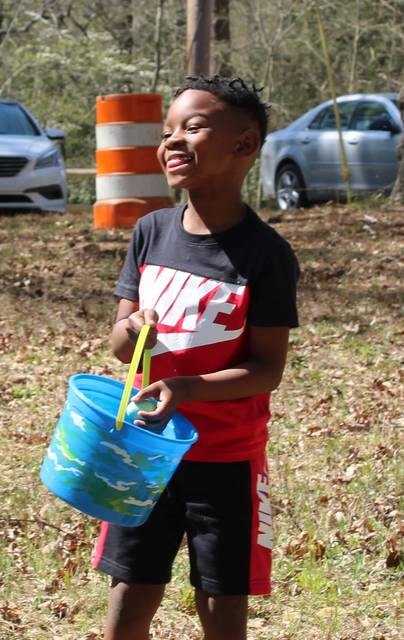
(345, 172)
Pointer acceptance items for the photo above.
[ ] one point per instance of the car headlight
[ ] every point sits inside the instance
(50, 158)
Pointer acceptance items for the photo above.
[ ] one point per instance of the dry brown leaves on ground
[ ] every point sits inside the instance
(335, 435)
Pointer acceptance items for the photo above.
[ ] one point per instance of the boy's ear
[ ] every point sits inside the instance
(248, 143)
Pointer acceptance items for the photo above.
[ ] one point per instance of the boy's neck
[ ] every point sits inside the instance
(205, 214)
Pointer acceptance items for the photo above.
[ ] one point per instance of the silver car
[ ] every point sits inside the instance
(32, 170)
(301, 163)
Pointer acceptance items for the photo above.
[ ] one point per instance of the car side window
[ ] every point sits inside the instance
(325, 120)
(13, 121)
(371, 116)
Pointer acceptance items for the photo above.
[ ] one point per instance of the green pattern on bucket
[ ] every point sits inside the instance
(106, 475)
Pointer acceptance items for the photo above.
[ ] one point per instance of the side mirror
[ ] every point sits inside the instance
(54, 134)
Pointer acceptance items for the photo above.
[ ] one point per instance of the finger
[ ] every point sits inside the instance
(150, 317)
(151, 415)
(155, 420)
(137, 320)
(151, 339)
(156, 427)
(139, 423)
(163, 411)
(152, 390)
(145, 417)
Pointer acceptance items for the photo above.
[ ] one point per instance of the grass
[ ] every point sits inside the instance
(334, 447)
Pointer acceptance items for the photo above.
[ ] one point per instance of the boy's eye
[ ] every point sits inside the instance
(192, 128)
(165, 135)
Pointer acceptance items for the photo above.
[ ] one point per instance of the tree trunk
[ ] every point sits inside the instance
(157, 44)
(398, 192)
(221, 29)
(199, 27)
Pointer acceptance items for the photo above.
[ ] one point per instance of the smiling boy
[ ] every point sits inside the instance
(218, 287)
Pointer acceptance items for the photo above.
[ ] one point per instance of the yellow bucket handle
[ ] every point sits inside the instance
(134, 365)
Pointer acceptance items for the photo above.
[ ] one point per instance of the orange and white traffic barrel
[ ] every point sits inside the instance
(129, 180)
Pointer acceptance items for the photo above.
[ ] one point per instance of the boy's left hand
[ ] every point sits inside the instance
(169, 393)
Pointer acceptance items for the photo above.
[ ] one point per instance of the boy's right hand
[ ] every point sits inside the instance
(141, 317)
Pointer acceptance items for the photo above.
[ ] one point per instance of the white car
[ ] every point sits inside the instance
(301, 163)
(32, 170)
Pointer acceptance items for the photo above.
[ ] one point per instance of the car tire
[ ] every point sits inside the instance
(290, 188)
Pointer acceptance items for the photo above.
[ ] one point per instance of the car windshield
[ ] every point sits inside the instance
(15, 122)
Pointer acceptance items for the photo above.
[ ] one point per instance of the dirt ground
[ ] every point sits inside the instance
(335, 435)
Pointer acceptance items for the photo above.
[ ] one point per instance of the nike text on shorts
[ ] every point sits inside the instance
(224, 510)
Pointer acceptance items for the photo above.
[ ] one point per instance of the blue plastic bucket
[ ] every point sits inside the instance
(111, 475)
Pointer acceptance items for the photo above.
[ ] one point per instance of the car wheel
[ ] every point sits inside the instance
(290, 188)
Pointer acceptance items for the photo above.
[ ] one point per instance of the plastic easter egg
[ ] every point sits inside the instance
(134, 407)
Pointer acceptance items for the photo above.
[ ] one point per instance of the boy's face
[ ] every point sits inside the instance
(202, 143)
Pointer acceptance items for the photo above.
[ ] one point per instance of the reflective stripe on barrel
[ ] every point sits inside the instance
(130, 181)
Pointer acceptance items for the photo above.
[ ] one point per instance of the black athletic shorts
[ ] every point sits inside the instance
(224, 510)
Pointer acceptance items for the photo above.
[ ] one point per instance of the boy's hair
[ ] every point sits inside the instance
(233, 91)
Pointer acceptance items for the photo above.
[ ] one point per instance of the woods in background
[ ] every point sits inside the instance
(57, 55)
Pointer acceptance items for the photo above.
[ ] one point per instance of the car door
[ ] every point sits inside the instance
(372, 146)
(321, 148)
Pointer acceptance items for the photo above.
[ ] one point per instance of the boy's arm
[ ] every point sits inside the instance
(261, 373)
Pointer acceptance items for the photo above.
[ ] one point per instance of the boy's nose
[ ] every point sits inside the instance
(174, 140)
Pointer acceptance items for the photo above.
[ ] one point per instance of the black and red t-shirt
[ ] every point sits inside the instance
(207, 291)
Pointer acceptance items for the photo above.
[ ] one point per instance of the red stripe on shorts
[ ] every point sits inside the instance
(261, 528)
(99, 550)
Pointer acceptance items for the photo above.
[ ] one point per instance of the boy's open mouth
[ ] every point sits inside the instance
(176, 162)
